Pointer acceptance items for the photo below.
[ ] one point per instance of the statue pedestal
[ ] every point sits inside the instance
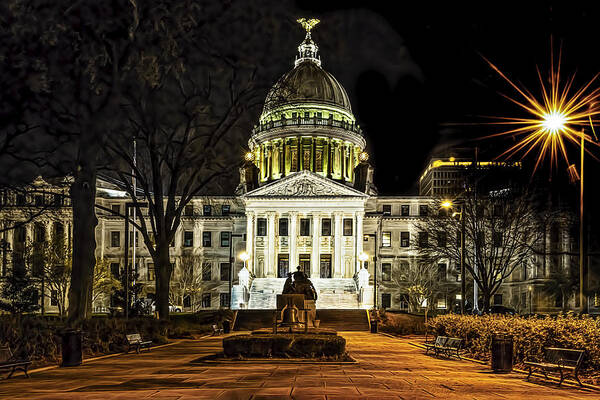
(298, 301)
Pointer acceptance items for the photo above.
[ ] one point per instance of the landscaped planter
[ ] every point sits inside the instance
(285, 345)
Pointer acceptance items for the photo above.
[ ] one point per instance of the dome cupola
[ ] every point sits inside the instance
(307, 122)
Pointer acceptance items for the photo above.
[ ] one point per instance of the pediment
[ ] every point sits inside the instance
(305, 184)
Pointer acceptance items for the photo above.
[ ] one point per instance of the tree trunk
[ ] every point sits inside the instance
(83, 198)
(163, 281)
(486, 301)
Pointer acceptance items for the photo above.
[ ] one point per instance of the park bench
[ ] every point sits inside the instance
(217, 330)
(445, 345)
(561, 360)
(135, 340)
(437, 345)
(9, 362)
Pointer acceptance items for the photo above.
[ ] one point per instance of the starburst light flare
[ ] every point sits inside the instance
(556, 118)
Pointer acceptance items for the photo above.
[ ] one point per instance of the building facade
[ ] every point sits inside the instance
(306, 200)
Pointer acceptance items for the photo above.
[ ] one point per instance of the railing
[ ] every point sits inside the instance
(312, 121)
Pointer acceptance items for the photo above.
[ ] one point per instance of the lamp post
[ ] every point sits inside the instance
(231, 260)
(448, 204)
(127, 207)
(245, 257)
(530, 298)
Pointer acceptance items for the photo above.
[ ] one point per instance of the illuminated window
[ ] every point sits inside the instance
(404, 239)
(387, 209)
(207, 210)
(326, 227)
(225, 238)
(347, 226)
(206, 271)
(206, 239)
(304, 227)
(188, 239)
(386, 239)
(283, 227)
(386, 272)
(151, 272)
(261, 227)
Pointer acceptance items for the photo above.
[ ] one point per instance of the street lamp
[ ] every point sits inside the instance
(129, 205)
(530, 298)
(448, 204)
(363, 257)
(244, 257)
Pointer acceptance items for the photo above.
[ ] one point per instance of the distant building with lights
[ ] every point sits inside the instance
(306, 199)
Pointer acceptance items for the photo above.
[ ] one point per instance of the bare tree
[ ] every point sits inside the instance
(105, 283)
(423, 283)
(501, 230)
(187, 280)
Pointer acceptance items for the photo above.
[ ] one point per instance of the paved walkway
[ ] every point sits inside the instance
(387, 368)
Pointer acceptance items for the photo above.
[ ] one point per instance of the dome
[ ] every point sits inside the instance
(310, 84)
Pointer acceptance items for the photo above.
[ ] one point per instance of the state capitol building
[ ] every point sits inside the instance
(306, 200)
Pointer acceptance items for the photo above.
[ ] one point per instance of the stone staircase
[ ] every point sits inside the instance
(344, 320)
(333, 293)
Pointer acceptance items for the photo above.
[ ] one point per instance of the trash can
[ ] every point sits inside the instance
(226, 326)
(71, 348)
(502, 352)
(373, 326)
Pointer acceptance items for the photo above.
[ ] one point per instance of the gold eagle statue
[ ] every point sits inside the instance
(308, 24)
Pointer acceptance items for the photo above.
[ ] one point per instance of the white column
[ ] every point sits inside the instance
(315, 247)
(293, 237)
(359, 238)
(337, 261)
(270, 267)
(250, 240)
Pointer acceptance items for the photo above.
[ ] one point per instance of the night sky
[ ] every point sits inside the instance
(417, 79)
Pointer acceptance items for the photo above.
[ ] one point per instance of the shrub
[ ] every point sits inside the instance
(530, 335)
(285, 345)
(401, 323)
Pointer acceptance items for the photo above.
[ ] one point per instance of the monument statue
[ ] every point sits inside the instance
(288, 287)
(308, 24)
(303, 285)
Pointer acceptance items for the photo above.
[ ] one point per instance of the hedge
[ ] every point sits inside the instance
(285, 345)
(530, 335)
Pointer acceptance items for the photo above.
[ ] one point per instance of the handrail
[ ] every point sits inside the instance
(312, 121)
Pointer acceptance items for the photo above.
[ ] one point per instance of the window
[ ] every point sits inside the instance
(225, 239)
(39, 200)
(497, 239)
(206, 239)
(261, 227)
(498, 298)
(386, 272)
(283, 226)
(225, 272)
(326, 227)
(387, 209)
(386, 239)
(206, 271)
(347, 226)
(54, 298)
(404, 239)
(188, 239)
(207, 210)
(442, 271)
(423, 239)
(116, 208)
(386, 300)
(205, 300)
(224, 297)
(187, 301)
(442, 238)
(225, 209)
(20, 200)
(441, 303)
(115, 269)
(423, 210)
(151, 271)
(57, 200)
(188, 211)
(137, 242)
(304, 227)
(405, 210)
(39, 233)
(115, 239)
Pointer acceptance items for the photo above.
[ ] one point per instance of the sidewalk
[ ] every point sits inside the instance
(387, 368)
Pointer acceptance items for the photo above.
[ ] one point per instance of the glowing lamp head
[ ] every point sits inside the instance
(244, 256)
(446, 204)
(554, 122)
(363, 257)
(363, 157)
(249, 156)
